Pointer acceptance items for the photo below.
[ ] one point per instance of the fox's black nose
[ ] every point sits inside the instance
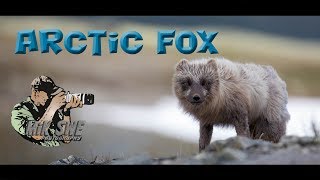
(196, 97)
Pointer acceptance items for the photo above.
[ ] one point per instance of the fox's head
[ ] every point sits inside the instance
(196, 82)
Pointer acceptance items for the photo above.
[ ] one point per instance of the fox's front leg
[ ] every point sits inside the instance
(205, 135)
(241, 124)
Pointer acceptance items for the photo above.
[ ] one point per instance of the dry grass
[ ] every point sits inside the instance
(315, 129)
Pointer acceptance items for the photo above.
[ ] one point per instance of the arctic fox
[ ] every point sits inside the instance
(250, 97)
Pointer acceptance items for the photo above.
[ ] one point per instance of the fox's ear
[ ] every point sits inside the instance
(183, 63)
(212, 63)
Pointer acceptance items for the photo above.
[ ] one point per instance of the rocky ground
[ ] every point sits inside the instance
(236, 150)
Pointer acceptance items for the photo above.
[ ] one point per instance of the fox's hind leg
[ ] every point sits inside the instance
(268, 130)
(271, 125)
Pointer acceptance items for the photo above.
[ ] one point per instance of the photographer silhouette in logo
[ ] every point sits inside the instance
(46, 105)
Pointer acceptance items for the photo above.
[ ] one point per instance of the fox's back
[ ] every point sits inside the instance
(251, 79)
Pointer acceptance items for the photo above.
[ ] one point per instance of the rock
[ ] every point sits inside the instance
(216, 146)
(237, 142)
(240, 143)
(291, 155)
(71, 160)
(139, 159)
(182, 161)
(236, 150)
(304, 141)
(229, 154)
(203, 155)
(288, 140)
(100, 160)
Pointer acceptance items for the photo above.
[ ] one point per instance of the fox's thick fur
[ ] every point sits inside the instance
(250, 97)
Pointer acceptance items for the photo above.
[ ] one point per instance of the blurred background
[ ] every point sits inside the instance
(135, 111)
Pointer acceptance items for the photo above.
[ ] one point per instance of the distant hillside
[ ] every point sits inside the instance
(293, 26)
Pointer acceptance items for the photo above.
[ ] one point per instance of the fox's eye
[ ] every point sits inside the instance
(189, 82)
(206, 83)
(203, 82)
(186, 83)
